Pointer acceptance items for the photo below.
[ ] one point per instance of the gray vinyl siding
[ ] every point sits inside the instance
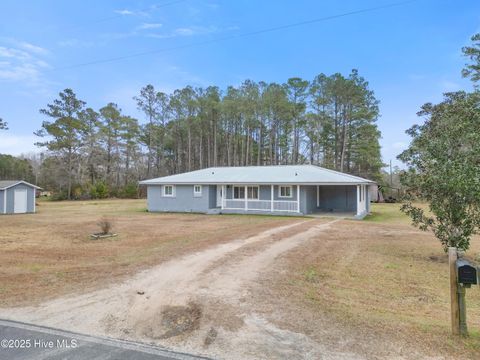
(212, 196)
(10, 193)
(308, 199)
(2, 194)
(182, 201)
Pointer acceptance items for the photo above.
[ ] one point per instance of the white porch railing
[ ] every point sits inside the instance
(233, 204)
(260, 205)
(279, 205)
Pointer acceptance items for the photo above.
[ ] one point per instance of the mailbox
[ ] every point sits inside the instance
(466, 273)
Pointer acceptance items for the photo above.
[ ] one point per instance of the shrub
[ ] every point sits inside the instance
(59, 195)
(105, 225)
(99, 190)
(130, 191)
(77, 192)
(113, 192)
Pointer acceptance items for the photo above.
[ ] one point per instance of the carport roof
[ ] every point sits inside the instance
(279, 174)
(5, 184)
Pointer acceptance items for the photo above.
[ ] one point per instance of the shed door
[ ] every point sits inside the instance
(20, 201)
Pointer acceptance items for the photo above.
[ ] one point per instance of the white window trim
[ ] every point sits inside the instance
(280, 191)
(246, 187)
(197, 193)
(258, 192)
(168, 195)
(233, 192)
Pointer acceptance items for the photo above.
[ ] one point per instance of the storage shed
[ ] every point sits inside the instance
(17, 197)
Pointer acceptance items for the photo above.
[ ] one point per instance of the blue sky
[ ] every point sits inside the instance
(410, 54)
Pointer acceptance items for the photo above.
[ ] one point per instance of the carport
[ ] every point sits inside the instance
(339, 200)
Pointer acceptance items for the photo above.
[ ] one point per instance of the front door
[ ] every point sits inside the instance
(219, 195)
(20, 201)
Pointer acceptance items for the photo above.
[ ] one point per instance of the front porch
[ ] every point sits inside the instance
(262, 198)
(319, 200)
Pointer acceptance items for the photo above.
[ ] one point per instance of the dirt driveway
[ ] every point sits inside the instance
(200, 303)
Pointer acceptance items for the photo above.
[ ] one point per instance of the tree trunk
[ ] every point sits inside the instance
(70, 170)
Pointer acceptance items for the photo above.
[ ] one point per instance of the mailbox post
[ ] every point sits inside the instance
(466, 275)
(454, 311)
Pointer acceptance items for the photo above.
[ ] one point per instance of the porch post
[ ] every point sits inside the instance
(318, 196)
(271, 198)
(223, 196)
(358, 199)
(298, 198)
(367, 198)
(246, 198)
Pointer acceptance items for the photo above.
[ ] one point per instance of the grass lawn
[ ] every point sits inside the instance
(379, 279)
(50, 253)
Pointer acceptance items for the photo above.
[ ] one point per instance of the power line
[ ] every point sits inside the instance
(230, 37)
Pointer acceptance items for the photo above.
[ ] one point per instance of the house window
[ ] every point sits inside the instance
(252, 192)
(197, 190)
(168, 191)
(285, 191)
(239, 192)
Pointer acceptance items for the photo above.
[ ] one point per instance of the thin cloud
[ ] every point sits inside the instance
(186, 31)
(149, 26)
(75, 43)
(124, 12)
(17, 144)
(23, 45)
(32, 48)
(24, 63)
(145, 29)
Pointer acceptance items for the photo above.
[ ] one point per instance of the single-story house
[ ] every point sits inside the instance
(17, 197)
(281, 189)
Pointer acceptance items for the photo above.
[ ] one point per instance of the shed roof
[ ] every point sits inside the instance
(5, 184)
(279, 174)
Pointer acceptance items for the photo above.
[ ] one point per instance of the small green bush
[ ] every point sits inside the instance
(99, 190)
(59, 195)
(130, 191)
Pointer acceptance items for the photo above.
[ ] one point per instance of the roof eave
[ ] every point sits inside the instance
(21, 182)
(366, 182)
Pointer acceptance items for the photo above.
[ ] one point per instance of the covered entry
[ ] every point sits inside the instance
(344, 200)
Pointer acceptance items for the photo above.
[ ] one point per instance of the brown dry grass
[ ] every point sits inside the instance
(50, 253)
(369, 286)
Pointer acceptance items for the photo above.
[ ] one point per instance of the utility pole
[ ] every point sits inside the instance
(391, 174)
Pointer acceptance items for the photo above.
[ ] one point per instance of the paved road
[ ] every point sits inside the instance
(31, 342)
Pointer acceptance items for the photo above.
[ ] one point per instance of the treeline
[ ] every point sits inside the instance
(329, 121)
(12, 168)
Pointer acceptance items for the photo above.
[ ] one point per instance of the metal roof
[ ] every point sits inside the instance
(279, 174)
(5, 184)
